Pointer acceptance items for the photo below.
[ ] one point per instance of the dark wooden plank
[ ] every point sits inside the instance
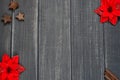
(87, 41)
(5, 30)
(54, 40)
(25, 38)
(112, 47)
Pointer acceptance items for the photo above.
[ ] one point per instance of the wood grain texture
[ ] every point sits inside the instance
(61, 40)
(5, 30)
(24, 35)
(112, 47)
(54, 40)
(87, 41)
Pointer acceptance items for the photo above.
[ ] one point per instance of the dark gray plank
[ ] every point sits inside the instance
(54, 40)
(25, 38)
(112, 47)
(5, 30)
(87, 41)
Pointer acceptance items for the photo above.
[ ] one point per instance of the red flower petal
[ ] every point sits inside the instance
(16, 78)
(118, 5)
(109, 10)
(5, 58)
(15, 59)
(111, 16)
(104, 2)
(117, 13)
(98, 11)
(103, 19)
(13, 76)
(14, 66)
(114, 20)
(4, 76)
(0, 68)
(9, 68)
(112, 2)
(20, 69)
(105, 14)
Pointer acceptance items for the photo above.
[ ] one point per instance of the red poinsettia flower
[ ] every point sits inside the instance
(109, 10)
(10, 68)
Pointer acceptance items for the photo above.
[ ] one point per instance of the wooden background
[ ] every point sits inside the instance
(61, 40)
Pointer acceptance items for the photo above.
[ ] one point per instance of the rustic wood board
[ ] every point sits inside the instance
(61, 40)
(24, 36)
(87, 41)
(5, 30)
(112, 47)
(54, 40)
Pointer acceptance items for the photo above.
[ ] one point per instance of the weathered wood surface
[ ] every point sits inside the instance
(87, 41)
(112, 48)
(24, 36)
(5, 30)
(60, 40)
(54, 40)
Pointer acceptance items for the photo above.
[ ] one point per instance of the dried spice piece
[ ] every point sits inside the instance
(10, 68)
(13, 5)
(109, 75)
(7, 19)
(20, 16)
(109, 10)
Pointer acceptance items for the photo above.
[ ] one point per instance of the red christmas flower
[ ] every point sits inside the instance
(109, 10)
(10, 68)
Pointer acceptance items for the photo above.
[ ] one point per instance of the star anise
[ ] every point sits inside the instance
(7, 19)
(20, 16)
(13, 5)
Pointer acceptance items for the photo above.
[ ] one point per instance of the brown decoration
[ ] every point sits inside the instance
(13, 5)
(7, 19)
(109, 75)
(20, 16)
